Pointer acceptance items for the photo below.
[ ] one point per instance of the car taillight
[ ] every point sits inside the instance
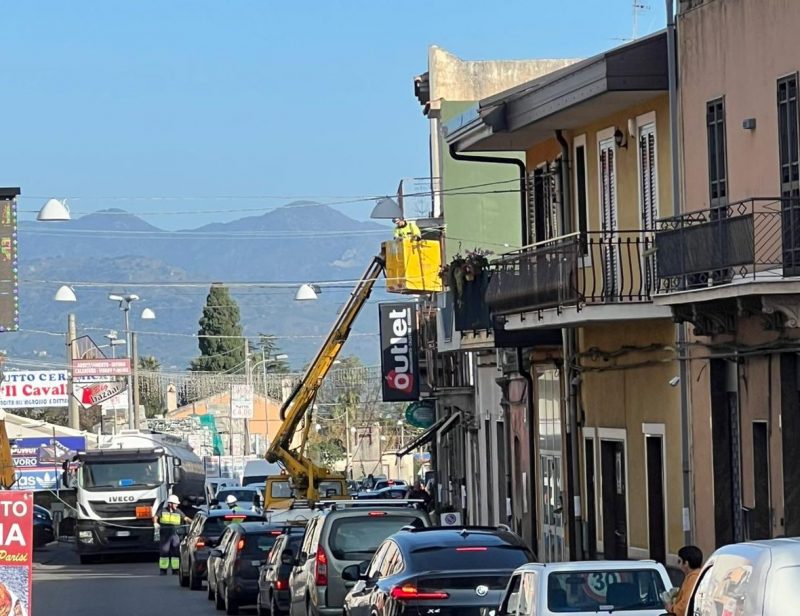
(321, 568)
(240, 545)
(377, 514)
(281, 585)
(409, 592)
(200, 543)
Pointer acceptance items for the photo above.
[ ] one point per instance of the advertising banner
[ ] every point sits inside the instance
(399, 360)
(34, 389)
(91, 393)
(101, 367)
(37, 461)
(16, 552)
(241, 402)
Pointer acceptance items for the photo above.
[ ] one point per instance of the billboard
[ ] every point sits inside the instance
(9, 267)
(16, 548)
(34, 389)
(38, 460)
(241, 402)
(399, 356)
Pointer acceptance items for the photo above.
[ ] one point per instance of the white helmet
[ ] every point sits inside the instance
(231, 500)
(173, 500)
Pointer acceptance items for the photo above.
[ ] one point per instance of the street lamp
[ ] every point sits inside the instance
(125, 302)
(307, 292)
(65, 294)
(54, 210)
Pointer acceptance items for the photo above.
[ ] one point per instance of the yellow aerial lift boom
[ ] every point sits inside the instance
(305, 473)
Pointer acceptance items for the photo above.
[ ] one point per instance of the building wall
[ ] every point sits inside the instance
(737, 49)
(616, 394)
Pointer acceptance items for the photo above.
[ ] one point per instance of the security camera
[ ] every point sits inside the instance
(673, 382)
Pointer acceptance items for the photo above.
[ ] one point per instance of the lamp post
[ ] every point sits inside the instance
(125, 302)
(66, 294)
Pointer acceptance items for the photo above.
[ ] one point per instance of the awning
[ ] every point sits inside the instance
(423, 438)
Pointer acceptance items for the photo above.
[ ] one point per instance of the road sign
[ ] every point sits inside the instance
(101, 367)
(241, 402)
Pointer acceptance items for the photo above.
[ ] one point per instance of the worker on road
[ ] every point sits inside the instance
(169, 520)
(233, 503)
(406, 229)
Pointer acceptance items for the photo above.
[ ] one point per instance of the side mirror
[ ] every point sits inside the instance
(287, 558)
(176, 462)
(351, 573)
(216, 553)
(178, 474)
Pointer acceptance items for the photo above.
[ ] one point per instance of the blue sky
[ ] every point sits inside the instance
(113, 104)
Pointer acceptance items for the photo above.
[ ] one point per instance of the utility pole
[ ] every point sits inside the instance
(249, 382)
(74, 413)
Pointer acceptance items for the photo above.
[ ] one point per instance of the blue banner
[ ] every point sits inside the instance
(38, 461)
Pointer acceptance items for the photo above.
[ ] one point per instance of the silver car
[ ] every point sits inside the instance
(587, 588)
(757, 577)
(346, 533)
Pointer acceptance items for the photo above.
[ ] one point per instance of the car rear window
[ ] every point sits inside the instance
(247, 496)
(215, 525)
(357, 538)
(622, 590)
(470, 557)
(258, 544)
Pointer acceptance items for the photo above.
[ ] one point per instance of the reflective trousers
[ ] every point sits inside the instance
(169, 551)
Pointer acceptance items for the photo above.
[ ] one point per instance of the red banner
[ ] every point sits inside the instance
(16, 552)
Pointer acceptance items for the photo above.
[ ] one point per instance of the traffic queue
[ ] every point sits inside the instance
(387, 556)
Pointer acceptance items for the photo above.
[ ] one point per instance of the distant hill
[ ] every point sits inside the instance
(299, 242)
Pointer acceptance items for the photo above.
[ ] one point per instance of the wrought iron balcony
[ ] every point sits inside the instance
(602, 267)
(756, 239)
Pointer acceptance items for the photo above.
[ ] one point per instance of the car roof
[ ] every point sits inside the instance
(784, 551)
(591, 565)
(259, 527)
(221, 513)
(364, 510)
(454, 537)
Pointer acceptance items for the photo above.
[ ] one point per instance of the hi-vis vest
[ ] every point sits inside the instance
(170, 518)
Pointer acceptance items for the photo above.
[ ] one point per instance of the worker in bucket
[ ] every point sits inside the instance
(406, 229)
(169, 520)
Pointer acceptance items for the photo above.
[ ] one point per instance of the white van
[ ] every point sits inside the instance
(756, 577)
(215, 484)
(257, 471)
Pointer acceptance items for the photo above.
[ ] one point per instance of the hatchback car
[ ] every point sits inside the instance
(273, 581)
(756, 577)
(436, 571)
(336, 537)
(204, 533)
(589, 588)
(237, 568)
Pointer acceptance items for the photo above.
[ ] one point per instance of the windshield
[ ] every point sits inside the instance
(280, 489)
(120, 475)
(588, 591)
(357, 538)
(247, 496)
(251, 479)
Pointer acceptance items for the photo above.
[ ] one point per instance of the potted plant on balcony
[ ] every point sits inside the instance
(463, 269)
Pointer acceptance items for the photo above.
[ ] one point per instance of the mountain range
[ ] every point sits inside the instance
(113, 251)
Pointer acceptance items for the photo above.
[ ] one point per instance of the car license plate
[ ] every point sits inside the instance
(123, 533)
(255, 563)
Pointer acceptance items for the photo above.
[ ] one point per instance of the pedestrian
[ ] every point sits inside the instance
(404, 229)
(169, 520)
(420, 493)
(690, 559)
(233, 503)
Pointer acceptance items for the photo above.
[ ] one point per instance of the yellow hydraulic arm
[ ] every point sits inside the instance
(7, 477)
(304, 472)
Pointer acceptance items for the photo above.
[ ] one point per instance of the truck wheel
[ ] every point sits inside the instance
(194, 582)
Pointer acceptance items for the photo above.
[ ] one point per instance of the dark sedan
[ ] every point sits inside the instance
(436, 571)
(42, 527)
(204, 533)
(273, 581)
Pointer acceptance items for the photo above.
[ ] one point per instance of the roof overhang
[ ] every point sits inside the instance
(572, 97)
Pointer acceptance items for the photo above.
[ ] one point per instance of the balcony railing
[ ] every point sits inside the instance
(755, 239)
(603, 267)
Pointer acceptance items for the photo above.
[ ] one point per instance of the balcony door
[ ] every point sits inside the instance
(648, 197)
(790, 173)
(608, 214)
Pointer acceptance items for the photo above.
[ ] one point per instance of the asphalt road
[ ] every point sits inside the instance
(119, 587)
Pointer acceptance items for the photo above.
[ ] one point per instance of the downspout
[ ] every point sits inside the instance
(526, 375)
(571, 376)
(523, 182)
(672, 69)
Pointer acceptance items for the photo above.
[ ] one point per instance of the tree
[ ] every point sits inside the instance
(150, 385)
(220, 335)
